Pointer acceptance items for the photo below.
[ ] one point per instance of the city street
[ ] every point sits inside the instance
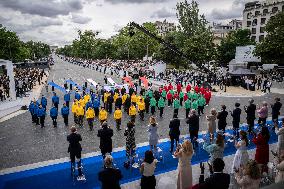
(25, 143)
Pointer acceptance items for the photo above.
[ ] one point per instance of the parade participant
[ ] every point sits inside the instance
(41, 114)
(77, 95)
(187, 106)
(276, 111)
(32, 107)
(174, 131)
(127, 104)
(153, 104)
(75, 148)
(109, 103)
(96, 105)
(141, 108)
(80, 113)
(55, 100)
(161, 106)
(170, 99)
(102, 115)
(43, 101)
(105, 134)
(65, 113)
(124, 97)
(53, 114)
(176, 106)
(222, 119)
(250, 110)
(123, 90)
(67, 98)
(201, 103)
(147, 104)
(89, 104)
(179, 87)
(90, 116)
(133, 98)
(207, 96)
(236, 114)
(196, 89)
(164, 94)
(118, 102)
(115, 97)
(181, 95)
(132, 112)
(106, 95)
(188, 88)
(117, 117)
(74, 109)
(194, 95)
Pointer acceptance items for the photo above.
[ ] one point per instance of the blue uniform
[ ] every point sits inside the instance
(31, 107)
(43, 102)
(41, 112)
(55, 100)
(96, 103)
(77, 96)
(67, 97)
(89, 104)
(53, 112)
(64, 111)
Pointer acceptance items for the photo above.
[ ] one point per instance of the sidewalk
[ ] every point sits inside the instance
(10, 107)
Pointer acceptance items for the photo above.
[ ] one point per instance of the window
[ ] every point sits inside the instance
(253, 30)
(263, 20)
(265, 11)
(248, 23)
(283, 8)
(274, 9)
(262, 29)
(257, 13)
(253, 38)
(254, 22)
(261, 37)
(248, 15)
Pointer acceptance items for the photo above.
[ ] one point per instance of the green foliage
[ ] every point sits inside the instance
(227, 49)
(271, 49)
(12, 48)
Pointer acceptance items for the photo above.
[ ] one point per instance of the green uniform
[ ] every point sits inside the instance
(172, 92)
(194, 96)
(181, 94)
(153, 102)
(176, 104)
(194, 105)
(164, 93)
(189, 95)
(150, 93)
(187, 104)
(161, 103)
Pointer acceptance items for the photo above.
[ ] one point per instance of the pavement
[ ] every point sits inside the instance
(22, 142)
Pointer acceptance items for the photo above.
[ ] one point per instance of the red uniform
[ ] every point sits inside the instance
(169, 96)
(202, 90)
(207, 96)
(196, 88)
(185, 97)
(178, 88)
(188, 88)
(166, 88)
(170, 87)
(176, 96)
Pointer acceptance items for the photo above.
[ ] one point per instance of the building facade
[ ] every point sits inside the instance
(164, 27)
(256, 15)
(221, 31)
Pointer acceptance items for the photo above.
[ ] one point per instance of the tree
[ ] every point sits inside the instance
(227, 49)
(271, 49)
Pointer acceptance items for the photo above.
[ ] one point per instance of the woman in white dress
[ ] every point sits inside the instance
(212, 123)
(241, 158)
(184, 153)
(153, 134)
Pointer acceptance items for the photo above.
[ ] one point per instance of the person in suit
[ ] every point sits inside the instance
(110, 176)
(236, 119)
(75, 148)
(250, 110)
(174, 131)
(105, 134)
(193, 124)
(276, 110)
(222, 119)
(217, 179)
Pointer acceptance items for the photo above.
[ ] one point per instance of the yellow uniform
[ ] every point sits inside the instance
(133, 98)
(90, 113)
(80, 111)
(82, 102)
(124, 97)
(132, 111)
(74, 107)
(117, 114)
(115, 97)
(141, 106)
(106, 95)
(87, 97)
(103, 115)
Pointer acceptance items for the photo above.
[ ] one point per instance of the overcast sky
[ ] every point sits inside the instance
(56, 21)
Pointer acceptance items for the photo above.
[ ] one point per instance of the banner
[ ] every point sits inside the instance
(92, 82)
(57, 87)
(75, 84)
(128, 80)
(144, 81)
(110, 80)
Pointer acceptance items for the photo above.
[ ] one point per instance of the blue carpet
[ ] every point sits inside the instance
(58, 176)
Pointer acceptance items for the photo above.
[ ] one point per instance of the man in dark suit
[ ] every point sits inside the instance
(193, 124)
(222, 119)
(174, 131)
(236, 114)
(217, 179)
(110, 176)
(75, 148)
(250, 110)
(276, 110)
(105, 135)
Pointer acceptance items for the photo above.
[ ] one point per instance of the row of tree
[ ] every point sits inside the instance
(12, 48)
(194, 39)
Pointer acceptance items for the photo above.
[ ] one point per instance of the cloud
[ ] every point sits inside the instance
(235, 11)
(135, 1)
(76, 18)
(163, 13)
(47, 8)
